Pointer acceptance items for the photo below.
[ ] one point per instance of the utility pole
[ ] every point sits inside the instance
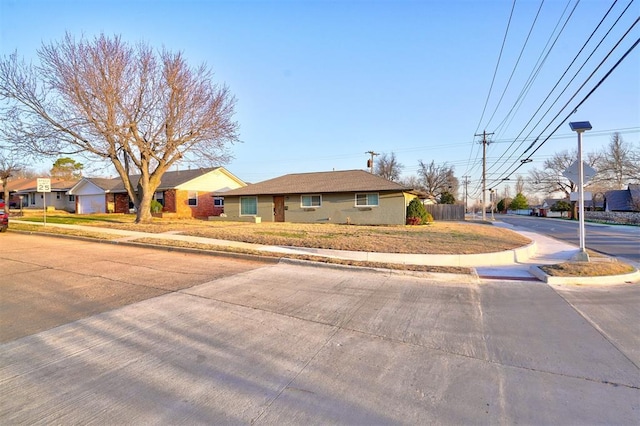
(485, 142)
(466, 193)
(370, 161)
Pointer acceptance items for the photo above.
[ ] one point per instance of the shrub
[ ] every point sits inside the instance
(156, 207)
(417, 214)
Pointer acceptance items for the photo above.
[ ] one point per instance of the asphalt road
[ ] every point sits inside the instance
(298, 344)
(615, 240)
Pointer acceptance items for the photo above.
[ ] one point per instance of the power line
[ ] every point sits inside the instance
(602, 80)
(566, 86)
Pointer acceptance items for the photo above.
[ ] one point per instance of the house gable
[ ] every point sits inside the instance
(215, 180)
(86, 187)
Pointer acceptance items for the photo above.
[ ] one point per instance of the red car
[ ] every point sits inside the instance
(4, 218)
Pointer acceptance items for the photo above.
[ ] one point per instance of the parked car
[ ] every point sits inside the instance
(4, 218)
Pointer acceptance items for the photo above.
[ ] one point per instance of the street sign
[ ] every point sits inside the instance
(573, 174)
(575, 196)
(44, 184)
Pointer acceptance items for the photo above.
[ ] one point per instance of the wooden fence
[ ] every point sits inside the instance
(446, 212)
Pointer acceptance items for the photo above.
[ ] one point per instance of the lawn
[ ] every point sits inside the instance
(436, 238)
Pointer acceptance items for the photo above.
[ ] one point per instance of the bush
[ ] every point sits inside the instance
(417, 214)
(156, 207)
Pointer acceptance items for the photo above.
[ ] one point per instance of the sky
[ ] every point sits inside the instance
(320, 83)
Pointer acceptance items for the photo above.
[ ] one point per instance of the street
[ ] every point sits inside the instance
(291, 343)
(615, 240)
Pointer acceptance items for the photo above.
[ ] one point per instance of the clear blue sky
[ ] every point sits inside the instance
(318, 83)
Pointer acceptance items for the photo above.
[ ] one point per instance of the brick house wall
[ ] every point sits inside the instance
(203, 209)
(175, 201)
(120, 202)
(169, 201)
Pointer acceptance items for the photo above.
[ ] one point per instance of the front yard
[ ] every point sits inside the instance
(437, 238)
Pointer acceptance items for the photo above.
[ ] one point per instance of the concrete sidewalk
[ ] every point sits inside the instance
(511, 264)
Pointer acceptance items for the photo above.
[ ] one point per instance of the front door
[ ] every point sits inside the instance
(278, 209)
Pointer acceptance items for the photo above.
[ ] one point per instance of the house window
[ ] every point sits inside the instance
(311, 201)
(248, 206)
(369, 199)
(72, 198)
(218, 201)
(193, 198)
(32, 196)
(159, 197)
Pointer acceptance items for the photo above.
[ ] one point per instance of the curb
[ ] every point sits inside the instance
(470, 278)
(630, 278)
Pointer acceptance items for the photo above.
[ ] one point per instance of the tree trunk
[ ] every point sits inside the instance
(143, 212)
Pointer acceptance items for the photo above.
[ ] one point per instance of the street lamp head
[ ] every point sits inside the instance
(580, 126)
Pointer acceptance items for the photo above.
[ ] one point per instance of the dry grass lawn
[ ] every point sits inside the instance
(587, 269)
(437, 238)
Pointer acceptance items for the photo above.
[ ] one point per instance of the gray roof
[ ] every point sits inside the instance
(57, 185)
(320, 182)
(619, 200)
(169, 180)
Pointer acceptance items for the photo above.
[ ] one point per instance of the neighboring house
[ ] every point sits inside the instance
(183, 193)
(545, 208)
(625, 200)
(350, 196)
(14, 185)
(57, 198)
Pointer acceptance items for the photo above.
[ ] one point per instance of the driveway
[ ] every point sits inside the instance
(297, 344)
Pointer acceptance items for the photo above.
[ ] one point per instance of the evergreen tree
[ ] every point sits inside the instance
(519, 202)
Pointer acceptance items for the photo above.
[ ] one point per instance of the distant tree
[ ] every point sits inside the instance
(549, 179)
(446, 198)
(128, 105)
(561, 206)
(66, 168)
(388, 167)
(519, 202)
(520, 184)
(10, 165)
(503, 204)
(412, 182)
(618, 164)
(436, 179)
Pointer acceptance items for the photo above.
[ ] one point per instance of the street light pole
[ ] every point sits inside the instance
(580, 127)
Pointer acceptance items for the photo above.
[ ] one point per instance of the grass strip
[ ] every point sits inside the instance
(587, 269)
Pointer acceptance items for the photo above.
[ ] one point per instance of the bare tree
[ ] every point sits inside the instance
(10, 165)
(520, 184)
(549, 179)
(127, 106)
(411, 182)
(436, 179)
(619, 164)
(388, 167)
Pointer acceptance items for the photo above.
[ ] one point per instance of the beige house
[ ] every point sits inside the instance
(182, 193)
(349, 196)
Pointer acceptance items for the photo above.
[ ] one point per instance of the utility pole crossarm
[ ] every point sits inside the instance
(370, 161)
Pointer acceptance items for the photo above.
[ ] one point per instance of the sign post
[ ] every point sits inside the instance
(44, 186)
(580, 127)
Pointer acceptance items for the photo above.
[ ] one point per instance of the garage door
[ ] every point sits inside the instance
(91, 204)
